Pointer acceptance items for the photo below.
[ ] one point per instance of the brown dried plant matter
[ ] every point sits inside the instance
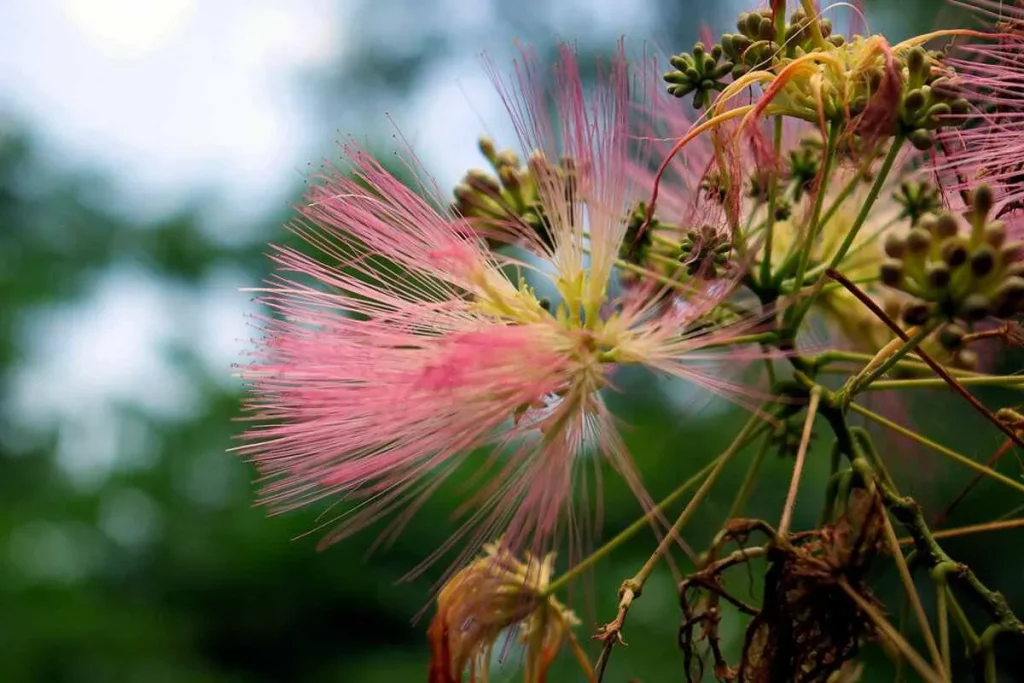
(808, 628)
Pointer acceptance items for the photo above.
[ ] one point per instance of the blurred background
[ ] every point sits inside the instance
(148, 152)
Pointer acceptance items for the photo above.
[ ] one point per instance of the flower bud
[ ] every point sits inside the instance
(967, 359)
(975, 307)
(916, 60)
(938, 275)
(752, 24)
(487, 148)
(481, 181)
(921, 139)
(946, 225)
(917, 313)
(982, 200)
(983, 261)
(895, 246)
(891, 273)
(1009, 296)
(918, 241)
(1011, 252)
(995, 233)
(914, 100)
(954, 252)
(951, 336)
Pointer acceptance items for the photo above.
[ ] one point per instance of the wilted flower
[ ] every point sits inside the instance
(415, 344)
(494, 594)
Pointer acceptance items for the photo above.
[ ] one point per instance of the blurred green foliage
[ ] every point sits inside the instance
(162, 570)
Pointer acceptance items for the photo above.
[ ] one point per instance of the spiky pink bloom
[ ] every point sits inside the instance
(404, 345)
(987, 143)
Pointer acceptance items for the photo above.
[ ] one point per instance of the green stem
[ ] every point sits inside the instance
(758, 338)
(742, 439)
(1008, 381)
(876, 187)
(644, 521)
(814, 227)
(633, 587)
(798, 466)
(630, 531)
(873, 371)
(749, 481)
(870, 241)
(815, 24)
(942, 609)
(911, 365)
(869, 202)
(937, 447)
(901, 663)
(843, 195)
(773, 186)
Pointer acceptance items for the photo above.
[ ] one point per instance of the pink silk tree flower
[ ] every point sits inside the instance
(403, 347)
(987, 143)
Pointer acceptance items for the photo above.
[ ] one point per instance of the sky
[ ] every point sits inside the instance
(152, 91)
(179, 99)
(170, 99)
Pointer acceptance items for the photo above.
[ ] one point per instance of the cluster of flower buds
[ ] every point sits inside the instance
(511, 191)
(754, 46)
(918, 198)
(804, 165)
(701, 73)
(953, 275)
(636, 244)
(700, 252)
(704, 251)
(929, 98)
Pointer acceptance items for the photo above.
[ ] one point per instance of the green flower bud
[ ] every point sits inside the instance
(975, 307)
(916, 60)
(921, 139)
(982, 200)
(983, 261)
(1009, 296)
(995, 234)
(482, 181)
(488, 149)
(938, 275)
(954, 252)
(891, 273)
(917, 313)
(918, 241)
(946, 225)
(951, 336)
(914, 100)
(895, 246)
(752, 25)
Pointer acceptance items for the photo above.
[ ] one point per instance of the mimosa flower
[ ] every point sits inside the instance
(405, 344)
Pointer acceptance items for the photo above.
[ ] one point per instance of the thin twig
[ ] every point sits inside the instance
(798, 467)
(908, 584)
(937, 447)
(991, 462)
(971, 529)
(880, 622)
(611, 633)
